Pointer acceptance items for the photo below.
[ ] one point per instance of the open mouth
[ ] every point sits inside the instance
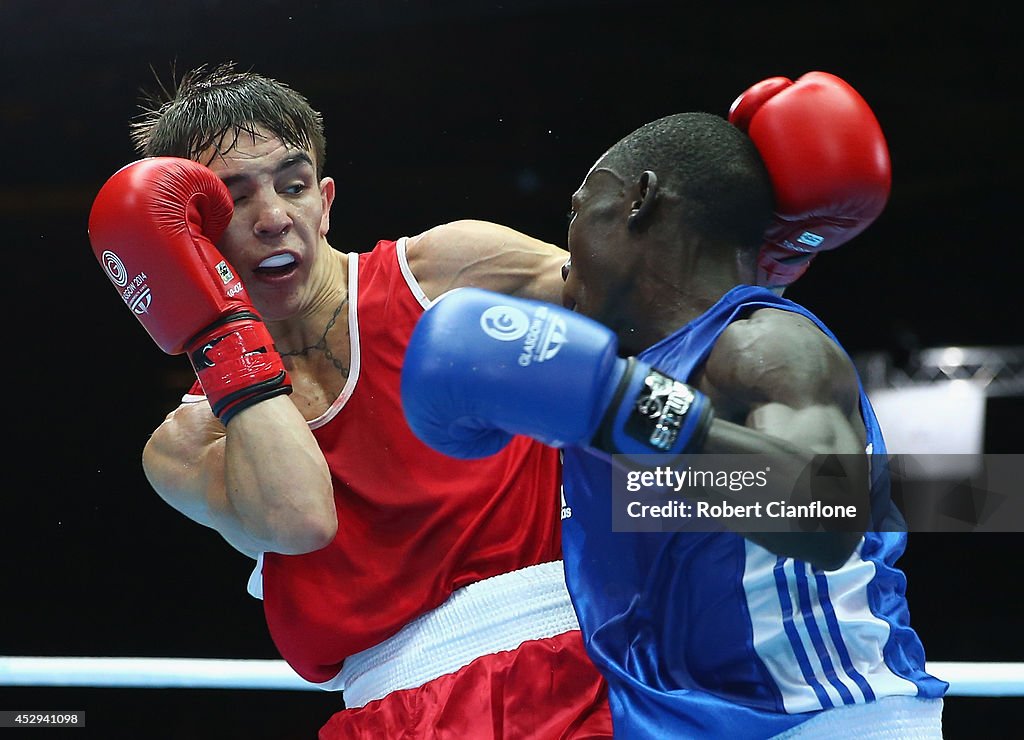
(278, 264)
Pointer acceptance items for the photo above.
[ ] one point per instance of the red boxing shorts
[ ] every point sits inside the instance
(500, 659)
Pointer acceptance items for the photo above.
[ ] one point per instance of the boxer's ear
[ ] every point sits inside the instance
(645, 198)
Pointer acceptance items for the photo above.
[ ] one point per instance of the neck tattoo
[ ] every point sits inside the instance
(321, 344)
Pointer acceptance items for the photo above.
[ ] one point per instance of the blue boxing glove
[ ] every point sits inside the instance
(482, 366)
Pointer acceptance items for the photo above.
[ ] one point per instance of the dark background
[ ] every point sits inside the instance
(437, 111)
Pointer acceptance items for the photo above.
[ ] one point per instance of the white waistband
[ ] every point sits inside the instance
(489, 616)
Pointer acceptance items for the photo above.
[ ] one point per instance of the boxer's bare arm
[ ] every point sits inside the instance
(486, 255)
(264, 488)
(798, 396)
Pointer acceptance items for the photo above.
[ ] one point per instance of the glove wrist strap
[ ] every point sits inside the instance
(238, 366)
(654, 414)
(661, 417)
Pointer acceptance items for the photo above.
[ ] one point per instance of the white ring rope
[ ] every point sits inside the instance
(965, 679)
(151, 673)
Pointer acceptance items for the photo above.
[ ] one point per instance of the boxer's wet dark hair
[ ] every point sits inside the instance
(212, 107)
(711, 165)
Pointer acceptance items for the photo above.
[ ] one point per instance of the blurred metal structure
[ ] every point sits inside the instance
(998, 370)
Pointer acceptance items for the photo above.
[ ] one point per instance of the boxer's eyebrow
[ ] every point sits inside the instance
(292, 160)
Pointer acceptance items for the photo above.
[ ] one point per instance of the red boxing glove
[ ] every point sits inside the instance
(153, 226)
(828, 163)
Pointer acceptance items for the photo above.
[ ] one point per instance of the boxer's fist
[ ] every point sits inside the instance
(481, 367)
(153, 226)
(828, 162)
